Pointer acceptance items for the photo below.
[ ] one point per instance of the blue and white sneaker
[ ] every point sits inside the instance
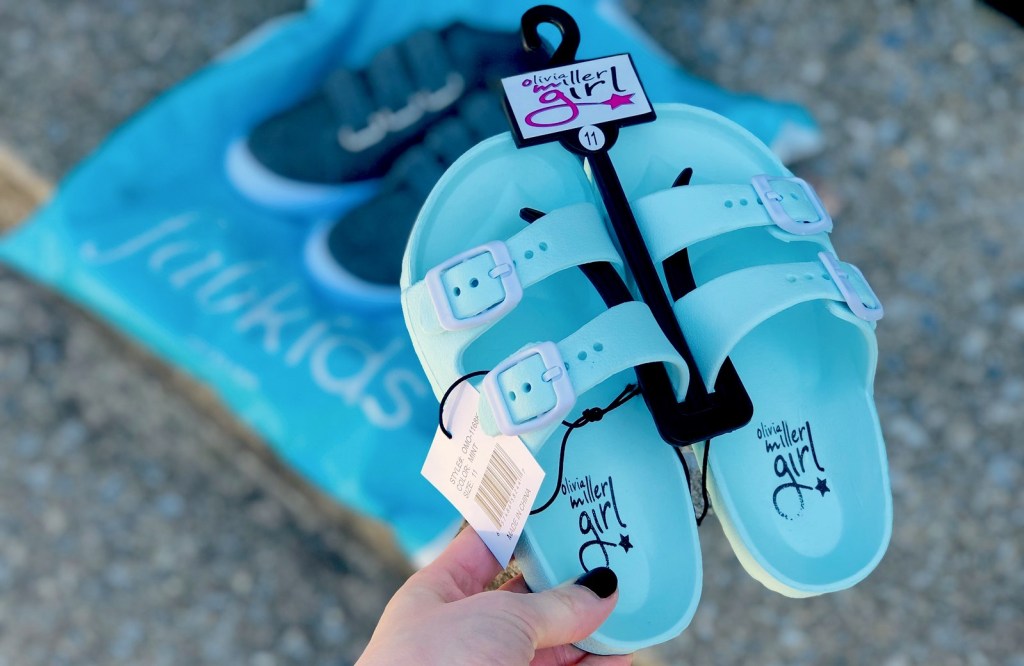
(327, 153)
(357, 259)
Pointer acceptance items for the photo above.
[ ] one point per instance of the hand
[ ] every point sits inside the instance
(442, 616)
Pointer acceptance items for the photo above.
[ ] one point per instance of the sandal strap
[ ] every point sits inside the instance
(463, 297)
(717, 315)
(529, 393)
(680, 217)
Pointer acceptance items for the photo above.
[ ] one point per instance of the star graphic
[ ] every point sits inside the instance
(822, 487)
(616, 100)
(624, 542)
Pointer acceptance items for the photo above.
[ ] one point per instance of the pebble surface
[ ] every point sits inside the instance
(130, 536)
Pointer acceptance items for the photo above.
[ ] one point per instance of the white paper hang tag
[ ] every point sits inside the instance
(492, 481)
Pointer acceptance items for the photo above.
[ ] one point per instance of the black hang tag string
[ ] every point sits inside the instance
(570, 96)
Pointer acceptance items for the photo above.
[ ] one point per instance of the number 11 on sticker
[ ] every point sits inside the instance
(591, 137)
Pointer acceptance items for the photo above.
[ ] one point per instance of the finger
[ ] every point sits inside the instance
(568, 613)
(517, 585)
(464, 568)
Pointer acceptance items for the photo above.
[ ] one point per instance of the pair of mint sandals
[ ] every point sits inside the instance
(802, 491)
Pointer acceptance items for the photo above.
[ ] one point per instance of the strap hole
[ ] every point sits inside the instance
(527, 387)
(512, 396)
(808, 276)
(759, 202)
(598, 347)
(826, 276)
(543, 247)
(457, 291)
(728, 204)
(790, 278)
(793, 196)
(743, 202)
(474, 283)
(528, 254)
(582, 356)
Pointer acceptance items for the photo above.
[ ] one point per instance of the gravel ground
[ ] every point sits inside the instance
(129, 535)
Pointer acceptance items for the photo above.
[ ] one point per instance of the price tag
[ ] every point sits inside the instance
(491, 481)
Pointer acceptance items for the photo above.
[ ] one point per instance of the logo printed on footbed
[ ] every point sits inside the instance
(599, 519)
(796, 463)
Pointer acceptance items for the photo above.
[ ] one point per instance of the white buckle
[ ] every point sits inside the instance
(503, 269)
(842, 273)
(554, 375)
(774, 205)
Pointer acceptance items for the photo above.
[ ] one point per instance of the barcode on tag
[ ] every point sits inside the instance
(491, 479)
(501, 476)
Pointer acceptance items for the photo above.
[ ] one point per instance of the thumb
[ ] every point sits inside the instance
(568, 613)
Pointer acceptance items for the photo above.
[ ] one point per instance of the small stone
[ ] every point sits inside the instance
(71, 434)
(14, 365)
(170, 505)
(1003, 471)
(964, 53)
(263, 659)
(974, 344)
(1016, 318)
(55, 521)
(812, 72)
(907, 431)
(37, 478)
(295, 644)
(332, 628)
(241, 583)
(28, 444)
(126, 640)
(945, 125)
(792, 639)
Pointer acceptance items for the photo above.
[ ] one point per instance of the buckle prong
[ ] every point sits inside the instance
(500, 271)
(552, 374)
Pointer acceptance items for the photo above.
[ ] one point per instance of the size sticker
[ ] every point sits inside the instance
(590, 92)
(492, 481)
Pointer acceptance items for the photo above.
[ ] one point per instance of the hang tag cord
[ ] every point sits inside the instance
(447, 394)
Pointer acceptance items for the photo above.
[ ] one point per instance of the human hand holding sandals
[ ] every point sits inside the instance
(442, 615)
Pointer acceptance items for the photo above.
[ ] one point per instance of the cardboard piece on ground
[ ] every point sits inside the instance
(21, 189)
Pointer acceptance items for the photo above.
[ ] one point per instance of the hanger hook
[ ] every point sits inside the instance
(565, 54)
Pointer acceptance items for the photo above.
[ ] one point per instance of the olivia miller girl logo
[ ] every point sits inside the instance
(796, 465)
(556, 100)
(563, 93)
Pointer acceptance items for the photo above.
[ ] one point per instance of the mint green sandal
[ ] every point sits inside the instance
(802, 491)
(483, 290)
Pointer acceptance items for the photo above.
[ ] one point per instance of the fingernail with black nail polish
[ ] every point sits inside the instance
(602, 581)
